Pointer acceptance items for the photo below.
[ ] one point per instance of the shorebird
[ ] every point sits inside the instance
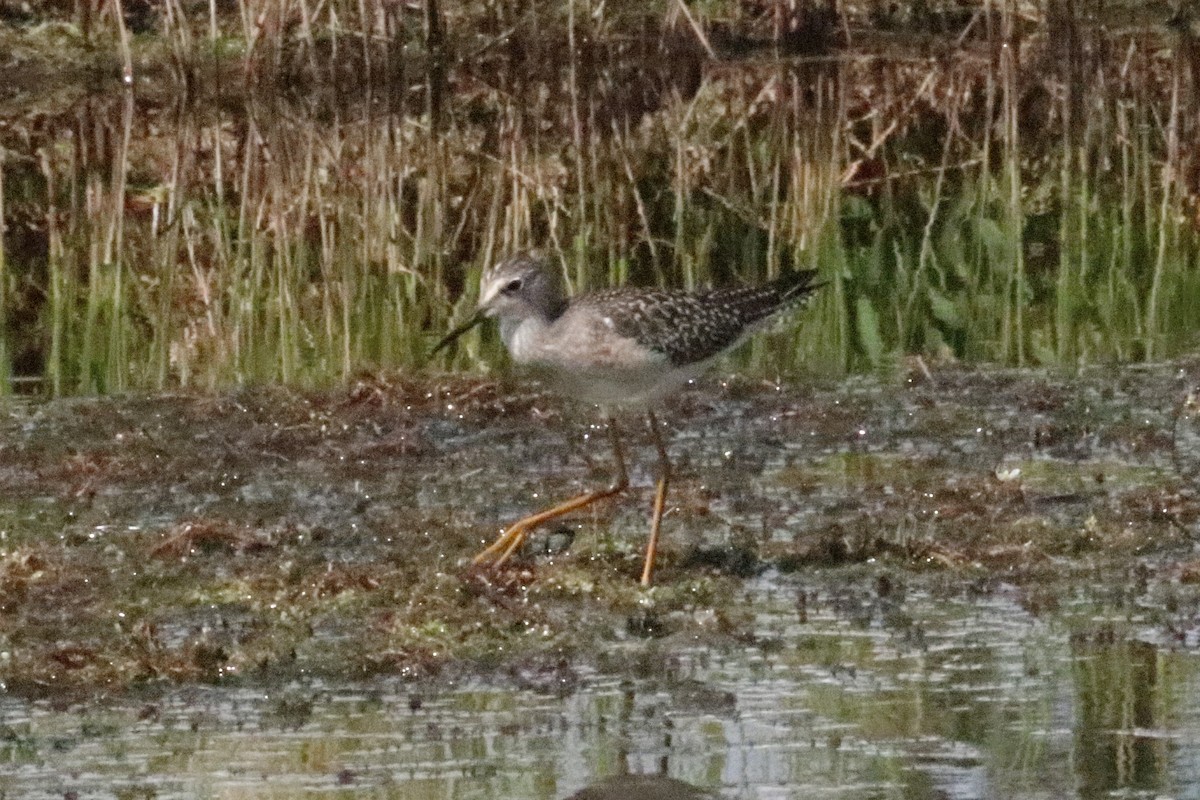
(617, 347)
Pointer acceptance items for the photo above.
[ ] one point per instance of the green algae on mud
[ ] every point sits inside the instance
(271, 534)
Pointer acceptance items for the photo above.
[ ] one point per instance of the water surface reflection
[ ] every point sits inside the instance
(985, 701)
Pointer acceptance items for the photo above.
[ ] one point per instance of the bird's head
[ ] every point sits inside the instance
(521, 286)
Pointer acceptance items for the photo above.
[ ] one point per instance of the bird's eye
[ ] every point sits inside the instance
(512, 286)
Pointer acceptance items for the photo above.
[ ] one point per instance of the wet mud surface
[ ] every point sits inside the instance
(961, 583)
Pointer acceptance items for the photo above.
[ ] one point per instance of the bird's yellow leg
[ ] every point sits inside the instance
(660, 500)
(514, 535)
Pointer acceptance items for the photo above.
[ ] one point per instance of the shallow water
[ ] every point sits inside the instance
(975, 587)
(970, 697)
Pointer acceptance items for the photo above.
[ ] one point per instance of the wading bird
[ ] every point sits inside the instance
(617, 347)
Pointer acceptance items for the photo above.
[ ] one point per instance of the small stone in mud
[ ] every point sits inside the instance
(739, 561)
(646, 623)
(641, 787)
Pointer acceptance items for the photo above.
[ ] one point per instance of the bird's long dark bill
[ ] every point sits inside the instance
(475, 319)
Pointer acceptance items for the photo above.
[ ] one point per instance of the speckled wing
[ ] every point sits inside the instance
(693, 327)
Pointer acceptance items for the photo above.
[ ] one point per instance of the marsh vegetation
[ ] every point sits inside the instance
(301, 191)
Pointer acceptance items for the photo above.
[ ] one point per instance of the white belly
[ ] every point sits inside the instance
(589, 362)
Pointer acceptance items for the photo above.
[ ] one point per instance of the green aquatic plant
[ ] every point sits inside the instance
(998, 203)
